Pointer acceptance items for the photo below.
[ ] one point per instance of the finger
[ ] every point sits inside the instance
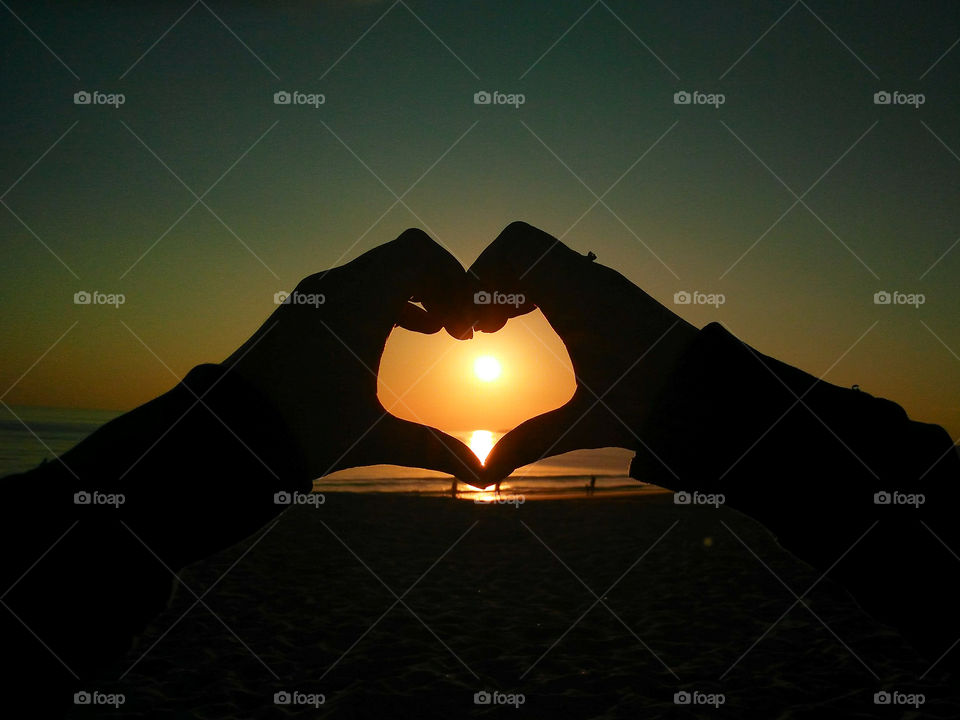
(379, 283)
(416, 266)
(523, 268)
(399, 442)
(580, 298)
(578, 425)
(518, 250)
(413, 318)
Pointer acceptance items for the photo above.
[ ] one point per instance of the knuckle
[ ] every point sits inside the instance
(415, 240)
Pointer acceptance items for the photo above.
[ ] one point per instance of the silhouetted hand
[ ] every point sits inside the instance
(317, 358)
(622, 343)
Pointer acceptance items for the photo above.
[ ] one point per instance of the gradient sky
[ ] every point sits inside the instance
(599, 80)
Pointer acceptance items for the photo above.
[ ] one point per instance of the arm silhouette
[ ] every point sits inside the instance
(199, 466)
(706, 412)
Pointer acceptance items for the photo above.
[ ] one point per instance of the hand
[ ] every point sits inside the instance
(317, 358)
(623, 344)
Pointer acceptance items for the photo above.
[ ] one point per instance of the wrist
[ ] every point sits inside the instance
(253, 416)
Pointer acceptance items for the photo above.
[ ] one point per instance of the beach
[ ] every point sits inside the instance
(593, 607)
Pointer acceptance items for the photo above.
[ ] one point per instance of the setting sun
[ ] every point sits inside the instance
(487, 368)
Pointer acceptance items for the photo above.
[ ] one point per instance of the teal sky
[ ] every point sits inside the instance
(700, 208)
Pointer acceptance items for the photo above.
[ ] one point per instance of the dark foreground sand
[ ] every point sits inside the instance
(302, 604)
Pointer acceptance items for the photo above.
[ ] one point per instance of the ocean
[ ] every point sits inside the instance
(29, 435)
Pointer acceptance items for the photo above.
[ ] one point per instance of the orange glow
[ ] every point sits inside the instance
(435, 379)
(487, 495)
(481, 442)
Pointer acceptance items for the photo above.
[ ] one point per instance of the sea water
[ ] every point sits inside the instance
(29, 435)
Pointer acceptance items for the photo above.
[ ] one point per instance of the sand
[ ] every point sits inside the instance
(497, 594)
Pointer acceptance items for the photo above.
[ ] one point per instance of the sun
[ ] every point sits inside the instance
(487, 368)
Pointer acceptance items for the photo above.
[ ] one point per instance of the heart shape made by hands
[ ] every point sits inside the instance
(493, 382)
(606, 349)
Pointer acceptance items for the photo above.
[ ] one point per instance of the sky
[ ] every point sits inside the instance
(797, 198)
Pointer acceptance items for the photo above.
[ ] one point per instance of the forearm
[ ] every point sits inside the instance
(806, 458)
(194, 476)
(732, 420)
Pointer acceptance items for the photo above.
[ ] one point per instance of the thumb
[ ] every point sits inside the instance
(526, 267)
(394, 441)
(582, 423)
